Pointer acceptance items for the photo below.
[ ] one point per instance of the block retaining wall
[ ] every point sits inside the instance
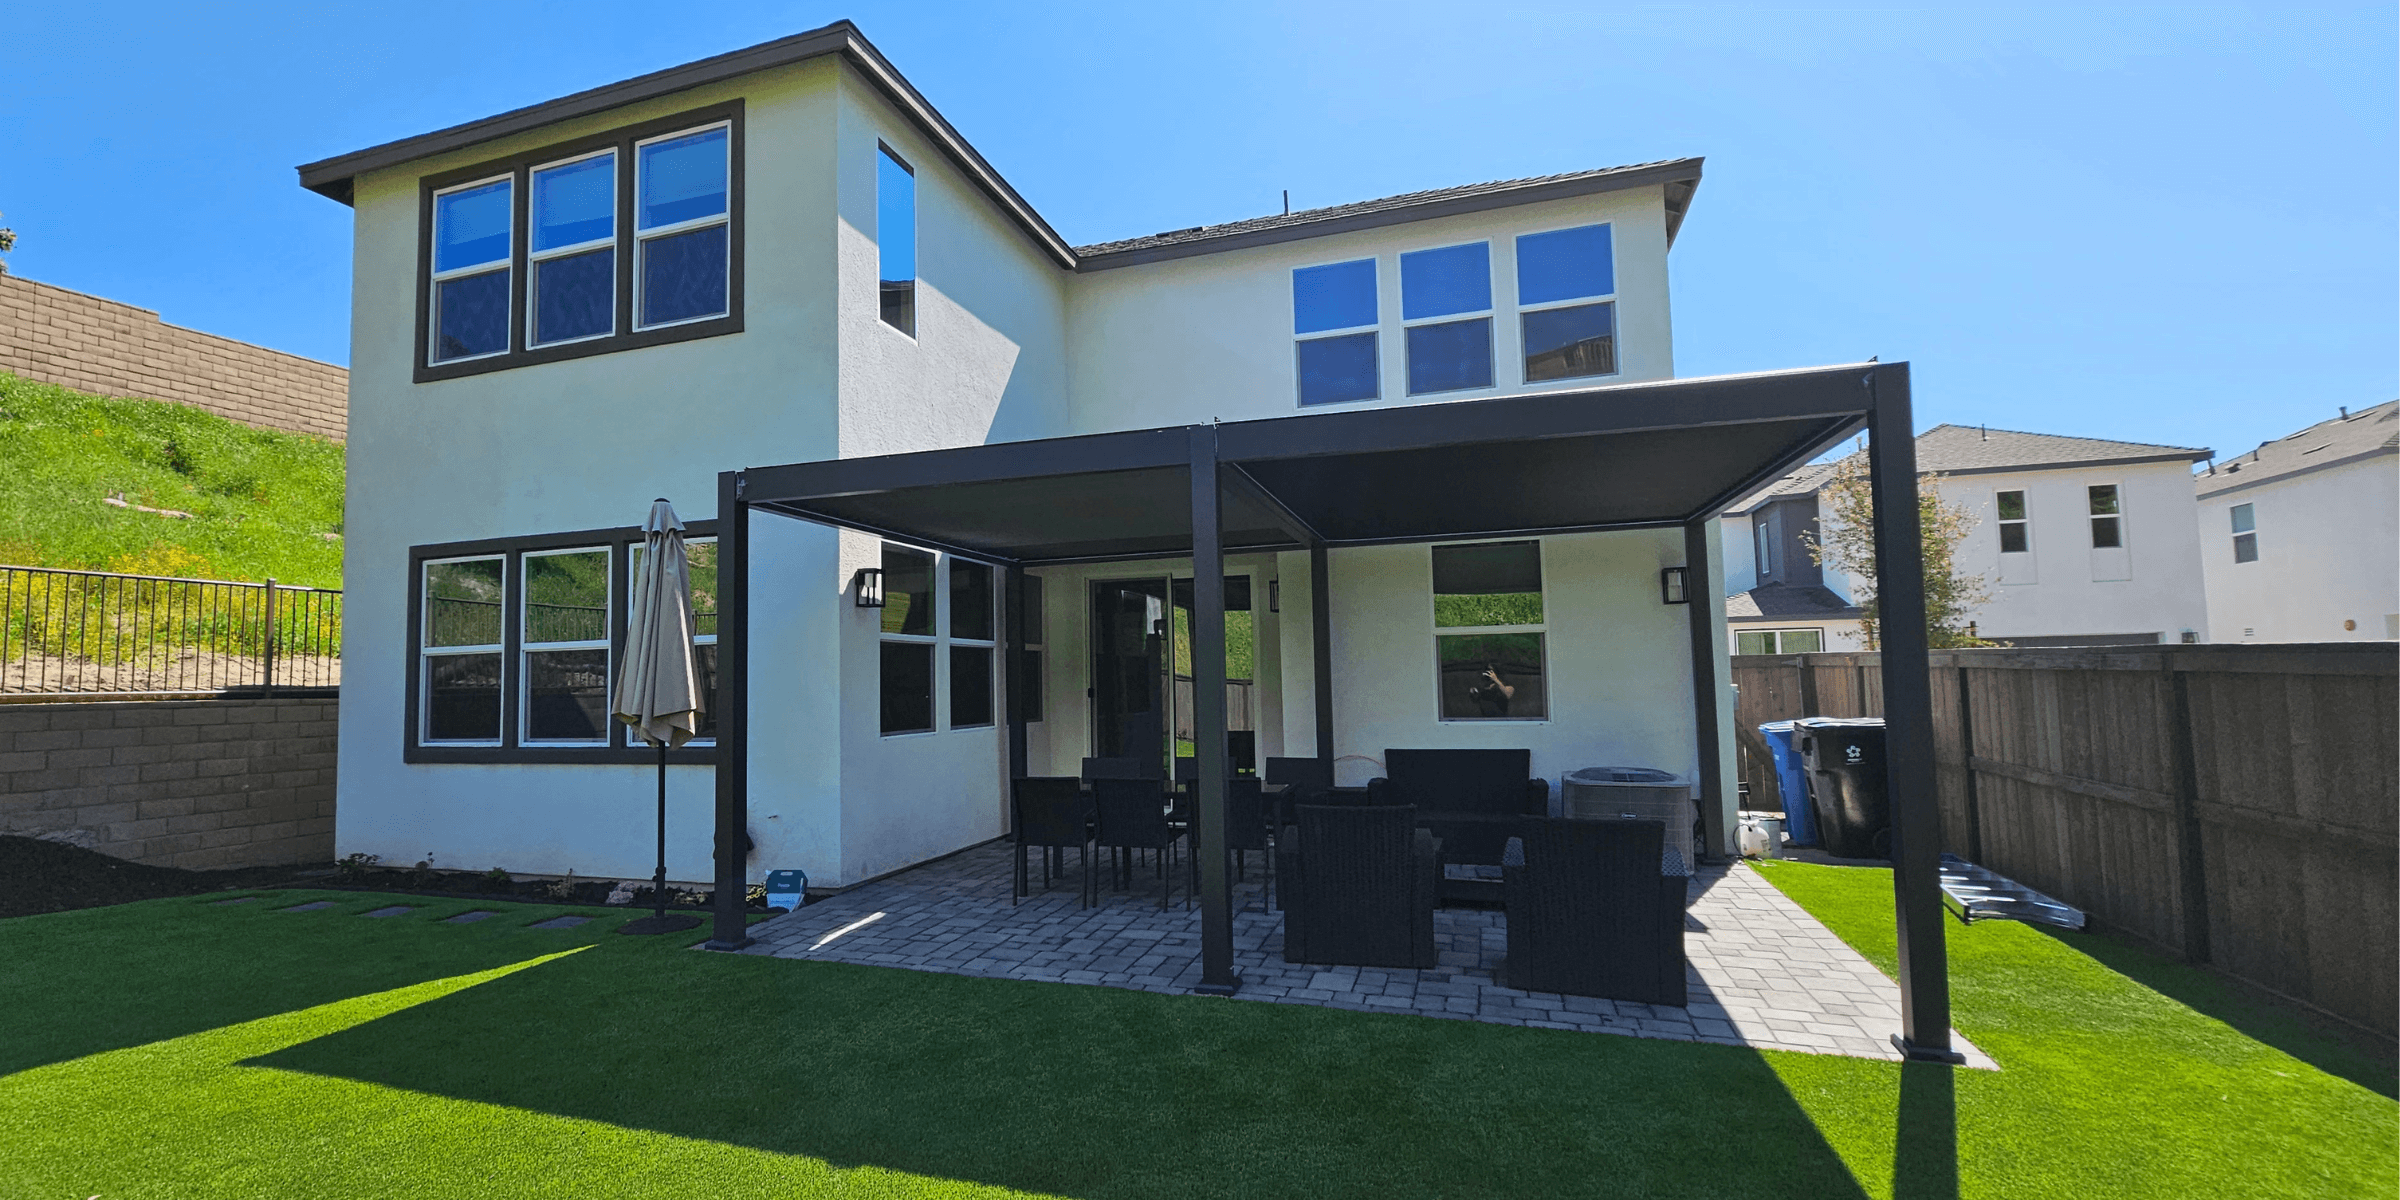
(198, 784)
(96, 345)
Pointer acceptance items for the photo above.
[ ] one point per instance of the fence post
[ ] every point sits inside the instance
(270, 686)
(2191, 855)
(1966, 763)
(1808, 687)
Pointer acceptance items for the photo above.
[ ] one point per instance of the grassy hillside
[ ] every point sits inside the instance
(261, 501)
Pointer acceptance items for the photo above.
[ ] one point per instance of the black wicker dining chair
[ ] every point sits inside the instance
(1133, 816)
(1053, 814)
(1248, 827)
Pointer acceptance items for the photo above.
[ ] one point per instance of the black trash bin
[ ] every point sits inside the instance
(1844, 761)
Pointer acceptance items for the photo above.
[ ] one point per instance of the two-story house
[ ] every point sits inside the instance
(785, 255)
(2300, 538)
(2080, 540)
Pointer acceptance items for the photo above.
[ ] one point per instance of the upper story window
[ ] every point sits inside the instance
(1334, 314)
(1564, 280)
(2014, 537)
(2245, 533)
(896, 240)
(574, 252)
(1445, 311)
(471, 226)
(627, 239)
(2108, 523)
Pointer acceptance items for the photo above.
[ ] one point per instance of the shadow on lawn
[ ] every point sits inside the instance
(1092, 1092)
(2320, 1042)
(1925, 1150)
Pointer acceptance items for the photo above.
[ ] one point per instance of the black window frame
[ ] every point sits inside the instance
(621, 541)
(519, 168)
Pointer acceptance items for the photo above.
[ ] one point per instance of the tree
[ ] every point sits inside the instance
(1845, 541)
(8, 242)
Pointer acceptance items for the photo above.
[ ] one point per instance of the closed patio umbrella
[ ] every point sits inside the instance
(658, 686)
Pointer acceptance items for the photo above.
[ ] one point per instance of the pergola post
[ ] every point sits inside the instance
(1701, 591)
(1320, 643)
(733, 714)
(1908, 720)
(1208, 716)
(1013, 621)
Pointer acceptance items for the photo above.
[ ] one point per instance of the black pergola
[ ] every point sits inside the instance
(1671, 454)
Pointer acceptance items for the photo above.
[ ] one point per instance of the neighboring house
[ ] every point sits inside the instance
(2300, 538)
(786, 255)
(1777, 600)
(2082, 542)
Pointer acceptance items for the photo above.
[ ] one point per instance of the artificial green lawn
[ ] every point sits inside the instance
(261, 500)
(176, 1048)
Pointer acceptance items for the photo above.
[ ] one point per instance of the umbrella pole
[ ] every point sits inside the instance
(658, 886)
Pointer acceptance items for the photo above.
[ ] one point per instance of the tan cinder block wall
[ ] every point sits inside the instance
(94, 345)
(200, 784)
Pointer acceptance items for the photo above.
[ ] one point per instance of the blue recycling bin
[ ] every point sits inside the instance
(1791, 779)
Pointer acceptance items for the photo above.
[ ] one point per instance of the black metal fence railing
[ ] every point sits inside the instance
(93, 632)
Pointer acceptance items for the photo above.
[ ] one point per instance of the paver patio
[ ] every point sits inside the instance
(1764, 974)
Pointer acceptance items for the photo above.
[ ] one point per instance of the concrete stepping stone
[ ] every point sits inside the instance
(559, 923)
(393, 911)
(469, 918)
(236, 900)
(311, 906)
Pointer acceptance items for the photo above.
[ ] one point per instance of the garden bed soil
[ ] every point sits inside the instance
(38, 876)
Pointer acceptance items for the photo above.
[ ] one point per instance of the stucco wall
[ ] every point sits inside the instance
(2328, 552)
(1211, 336)
(582, 444)
(98, 345)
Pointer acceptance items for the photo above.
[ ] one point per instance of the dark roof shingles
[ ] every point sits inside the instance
(2362, 432)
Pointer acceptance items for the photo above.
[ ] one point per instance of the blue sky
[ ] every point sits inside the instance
(2171, 223)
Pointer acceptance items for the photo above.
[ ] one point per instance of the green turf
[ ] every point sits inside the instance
(177, 1048)
(2108, 1087)
(261, 499)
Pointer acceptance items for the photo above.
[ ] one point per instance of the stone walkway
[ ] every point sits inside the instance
(1764, 974)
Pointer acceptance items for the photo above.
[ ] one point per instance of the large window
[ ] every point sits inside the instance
(516, 642)
(2014, 537)
(1489, 632)
(908, 640)
(613, 242)
(1564, 279)
(565, 636)
(464, 618)
(1778, 641)
(971, 644)
(2245, 533)
(896, 240)
(1441, 293)
(1333, 323)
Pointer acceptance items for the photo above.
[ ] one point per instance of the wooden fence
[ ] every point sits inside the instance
(2233, 805)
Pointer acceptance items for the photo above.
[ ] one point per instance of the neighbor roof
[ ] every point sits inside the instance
(1781, 602)
(1681, 176)
(334, 177)
(1977, 450)
(2362, 434)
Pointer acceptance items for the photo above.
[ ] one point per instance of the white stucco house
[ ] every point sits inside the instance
(2300, 538)
(784, 255)
(2080, 539)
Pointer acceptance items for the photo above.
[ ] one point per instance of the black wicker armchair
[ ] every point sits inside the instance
(1595, 908)
(1359, 884)
(1052, 814)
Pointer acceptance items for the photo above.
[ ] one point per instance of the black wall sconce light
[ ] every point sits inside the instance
(1274, 595)
(869, 582)
(1672, 586)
